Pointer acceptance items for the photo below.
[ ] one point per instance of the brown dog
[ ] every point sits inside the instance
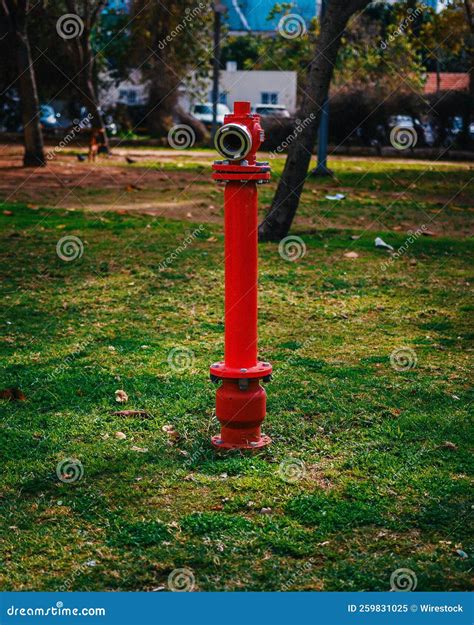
(97, 144)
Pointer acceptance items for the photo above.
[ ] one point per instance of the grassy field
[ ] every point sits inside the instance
(369, 471)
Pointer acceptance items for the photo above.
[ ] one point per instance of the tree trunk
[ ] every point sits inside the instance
(84, 62)
(90, 101)
(82, 58)
(33, 137)
(278, 219)
(162, 102)
(470, 104)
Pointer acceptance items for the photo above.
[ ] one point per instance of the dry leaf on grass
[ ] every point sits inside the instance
(12, 394)
(120, 435)
(449, 445)
(141, 450)
(172, 434)
(121, 396)
(132, 413)
(351, 255)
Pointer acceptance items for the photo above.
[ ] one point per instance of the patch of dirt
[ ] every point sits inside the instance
(111, 184)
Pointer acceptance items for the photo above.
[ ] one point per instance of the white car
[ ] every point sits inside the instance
(203, 112)
(271, 110)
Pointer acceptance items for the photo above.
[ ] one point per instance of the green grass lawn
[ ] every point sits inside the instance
(381, 454)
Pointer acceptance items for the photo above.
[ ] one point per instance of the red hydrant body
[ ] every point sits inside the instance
(240, 400)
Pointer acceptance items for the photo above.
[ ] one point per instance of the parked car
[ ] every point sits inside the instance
(271, 110)
(203, 112)
(425, 133)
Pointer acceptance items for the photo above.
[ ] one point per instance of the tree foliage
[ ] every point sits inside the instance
(172, 45)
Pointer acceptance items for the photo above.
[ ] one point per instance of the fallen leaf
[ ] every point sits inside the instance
(120, 435)
(121, 396)
(172, 434)
(132, 413)
(12, 394)
(450, 445)
(141, 450)
(351, 255)
(8, 213)
(265, 511)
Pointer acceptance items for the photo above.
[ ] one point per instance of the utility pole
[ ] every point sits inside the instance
(218, 9)
(321, 168)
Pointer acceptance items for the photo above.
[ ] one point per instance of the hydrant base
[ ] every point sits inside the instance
(263, 441)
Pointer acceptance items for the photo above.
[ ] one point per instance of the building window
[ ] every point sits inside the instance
(269, 97)
(223, 98)
(128, 96)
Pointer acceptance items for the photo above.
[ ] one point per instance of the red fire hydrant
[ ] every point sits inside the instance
(240, 400)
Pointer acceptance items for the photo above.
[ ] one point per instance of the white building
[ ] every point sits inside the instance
(254, 86)
(258, 87)
(133, 91)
